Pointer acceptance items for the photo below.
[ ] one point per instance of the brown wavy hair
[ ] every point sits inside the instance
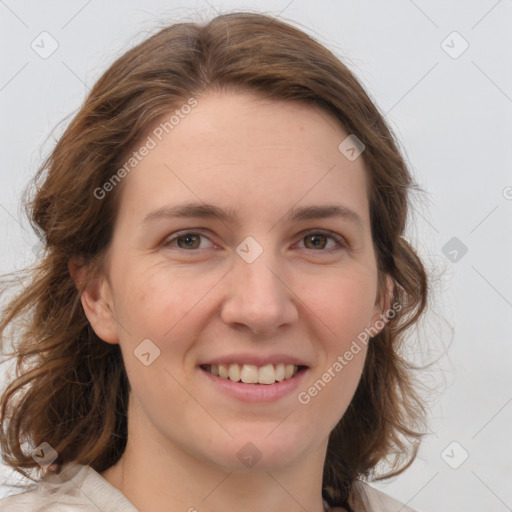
(71, 389)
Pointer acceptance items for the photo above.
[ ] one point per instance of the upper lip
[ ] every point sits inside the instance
(255, 359)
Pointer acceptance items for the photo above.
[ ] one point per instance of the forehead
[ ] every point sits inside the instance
(239, 150)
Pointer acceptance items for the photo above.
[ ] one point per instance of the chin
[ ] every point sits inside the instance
(259, 448)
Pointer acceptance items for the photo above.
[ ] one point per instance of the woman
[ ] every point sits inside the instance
(216, 321)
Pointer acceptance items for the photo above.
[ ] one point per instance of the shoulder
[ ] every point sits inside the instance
(369, 499)
(77, 488)
(35, 500)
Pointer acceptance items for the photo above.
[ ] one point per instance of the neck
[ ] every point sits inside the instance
(157, 475)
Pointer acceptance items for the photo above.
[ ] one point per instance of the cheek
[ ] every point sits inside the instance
(166, 308)
(344, 305)
(163, 305)
(345, 308)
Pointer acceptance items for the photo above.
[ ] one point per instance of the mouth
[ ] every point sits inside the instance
(253, 374)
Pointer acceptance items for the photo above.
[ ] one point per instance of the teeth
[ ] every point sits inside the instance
(267, 374)
(249, 374)
(234, 372)
(252, 374)
(280, 372)
(223, 371)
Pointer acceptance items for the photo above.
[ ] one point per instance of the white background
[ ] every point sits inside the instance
(453, 117)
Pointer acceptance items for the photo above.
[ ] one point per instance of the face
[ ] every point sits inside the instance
(242, 245)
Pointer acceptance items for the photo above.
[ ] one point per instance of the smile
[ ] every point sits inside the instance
(253, 374)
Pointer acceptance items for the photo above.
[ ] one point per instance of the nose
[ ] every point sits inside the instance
(258, 296)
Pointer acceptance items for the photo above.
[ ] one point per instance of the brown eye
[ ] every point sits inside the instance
(190, 241)
(319, 242)
(187, 241)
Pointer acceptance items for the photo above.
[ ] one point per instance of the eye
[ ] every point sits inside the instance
(318, 241)
(186, 240)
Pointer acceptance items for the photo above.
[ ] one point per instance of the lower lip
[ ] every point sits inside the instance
(256, 392)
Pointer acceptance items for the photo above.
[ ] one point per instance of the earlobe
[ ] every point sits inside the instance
(96, 299)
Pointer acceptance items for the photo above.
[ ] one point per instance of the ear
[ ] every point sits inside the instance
(96, 298)
(382, 304)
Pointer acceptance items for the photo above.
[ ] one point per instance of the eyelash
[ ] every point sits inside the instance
(340, 241)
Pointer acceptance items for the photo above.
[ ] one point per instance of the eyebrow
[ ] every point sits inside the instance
(205, 210)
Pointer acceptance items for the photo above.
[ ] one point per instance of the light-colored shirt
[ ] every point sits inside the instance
(79, 488)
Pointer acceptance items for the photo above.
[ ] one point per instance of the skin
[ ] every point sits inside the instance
(260, 157)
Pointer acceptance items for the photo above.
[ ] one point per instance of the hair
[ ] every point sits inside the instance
(71, 389)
